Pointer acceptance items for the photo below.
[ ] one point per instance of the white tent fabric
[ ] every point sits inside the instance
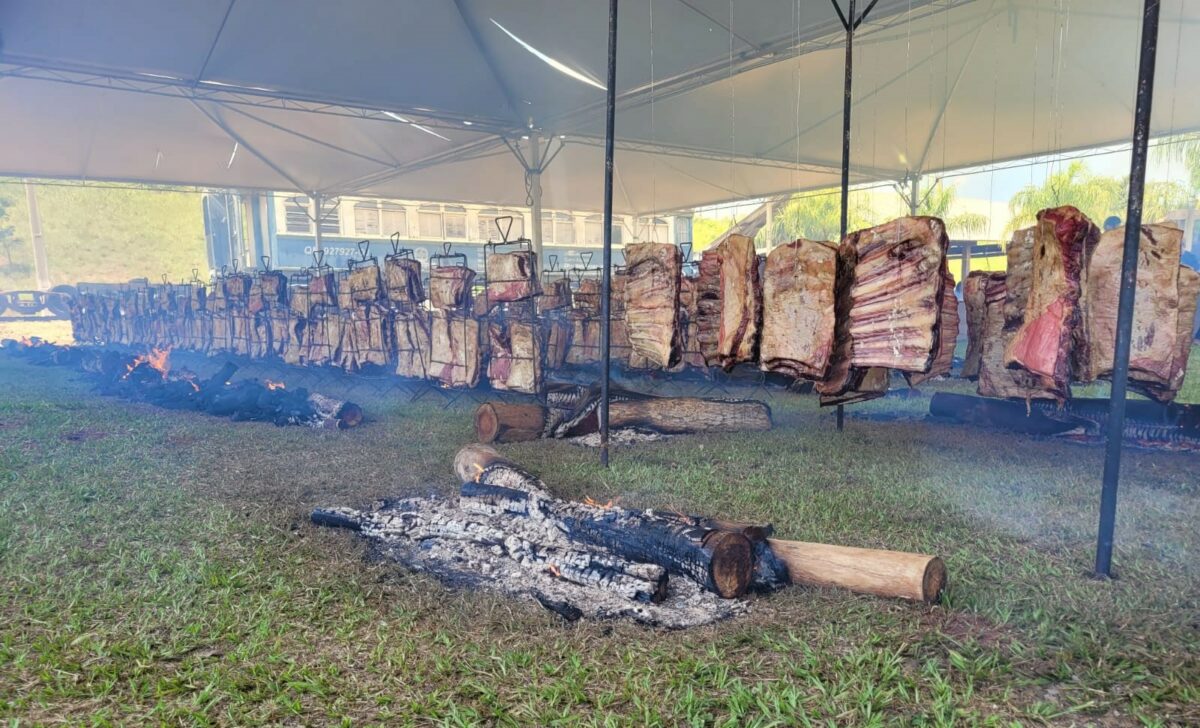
(421, 99)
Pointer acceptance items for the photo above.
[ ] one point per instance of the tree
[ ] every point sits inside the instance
(705, 230)
(1185, 149)
(816, 216)
(8, 236)
(938, 201)
(1094, 195)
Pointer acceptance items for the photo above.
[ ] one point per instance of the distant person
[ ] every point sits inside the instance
(1112, 222)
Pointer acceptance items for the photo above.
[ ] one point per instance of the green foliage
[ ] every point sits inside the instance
(1185, 149)
(938, 201)
(816, 216)
(105, 234)
(1096, 196)
(8, 237)
(706, 230)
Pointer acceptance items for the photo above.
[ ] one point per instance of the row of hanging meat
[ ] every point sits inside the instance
(1050, 320)
(845, 316)
(839, 315)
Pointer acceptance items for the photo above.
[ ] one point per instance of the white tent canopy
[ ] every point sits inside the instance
(424, 99)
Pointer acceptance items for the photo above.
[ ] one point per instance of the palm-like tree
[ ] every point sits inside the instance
(1094, 195)
(938, 201)
(816, 216)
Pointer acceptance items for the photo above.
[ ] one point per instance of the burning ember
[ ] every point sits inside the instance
(273, 385)
(157, 359)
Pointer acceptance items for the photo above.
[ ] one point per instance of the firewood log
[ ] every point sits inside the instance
(508, 422)
(917, 577)
(503, 422)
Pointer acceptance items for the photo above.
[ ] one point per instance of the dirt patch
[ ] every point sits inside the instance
(965, 627)
(84, 435)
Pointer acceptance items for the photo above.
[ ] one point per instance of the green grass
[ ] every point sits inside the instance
(104, 234)
(158, 567)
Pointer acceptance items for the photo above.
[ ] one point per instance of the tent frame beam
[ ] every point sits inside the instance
(88, 77)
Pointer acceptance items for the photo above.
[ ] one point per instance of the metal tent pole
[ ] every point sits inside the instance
(610, 114)
(41, 266)
(318, 203)
(535, 194)
(1129, 262)
(846, 98)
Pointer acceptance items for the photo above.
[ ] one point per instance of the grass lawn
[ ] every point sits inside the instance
(158, 567)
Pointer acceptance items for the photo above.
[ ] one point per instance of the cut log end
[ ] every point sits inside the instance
(505, 422)
(732, 562)
(934, 581)
(350, 415)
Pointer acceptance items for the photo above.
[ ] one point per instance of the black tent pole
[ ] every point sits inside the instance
(606, 273)
(1129, 262)
(850, 24)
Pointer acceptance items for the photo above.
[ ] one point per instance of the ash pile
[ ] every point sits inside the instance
(506, 532)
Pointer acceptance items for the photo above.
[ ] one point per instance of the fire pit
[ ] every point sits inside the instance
(507, 533)
(149, 377)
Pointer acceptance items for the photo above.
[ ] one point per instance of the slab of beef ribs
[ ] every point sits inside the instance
(1155, 310)
(1042, 345)
(402, 276)
(512, 277)
(450, 288)
(1189, 291)
(729, 302)
(995, 379)
(947, 337)
(585, 339)
(862, 385)
(896, 293)
(974, 299)
(651, 302)
(410, 333)
(689, 323)
(798, 308)
(556, 294)
(515, 356)
(366, 337)
(456, 348)
(621, 351)
(556, 332)
(840, 374)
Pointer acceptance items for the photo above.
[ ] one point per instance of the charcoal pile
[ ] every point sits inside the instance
(506, 532)
(150, 378)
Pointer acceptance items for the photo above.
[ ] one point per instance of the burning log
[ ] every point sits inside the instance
(775, 562)
(149, 378)
(719, 560)
(503, 422)
(1148, 424)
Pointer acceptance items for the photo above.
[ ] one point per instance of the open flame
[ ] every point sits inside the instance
(479, 474)
(157, 359)
(273, 385)
(553, 571)
(26, 341)
(587, 501)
